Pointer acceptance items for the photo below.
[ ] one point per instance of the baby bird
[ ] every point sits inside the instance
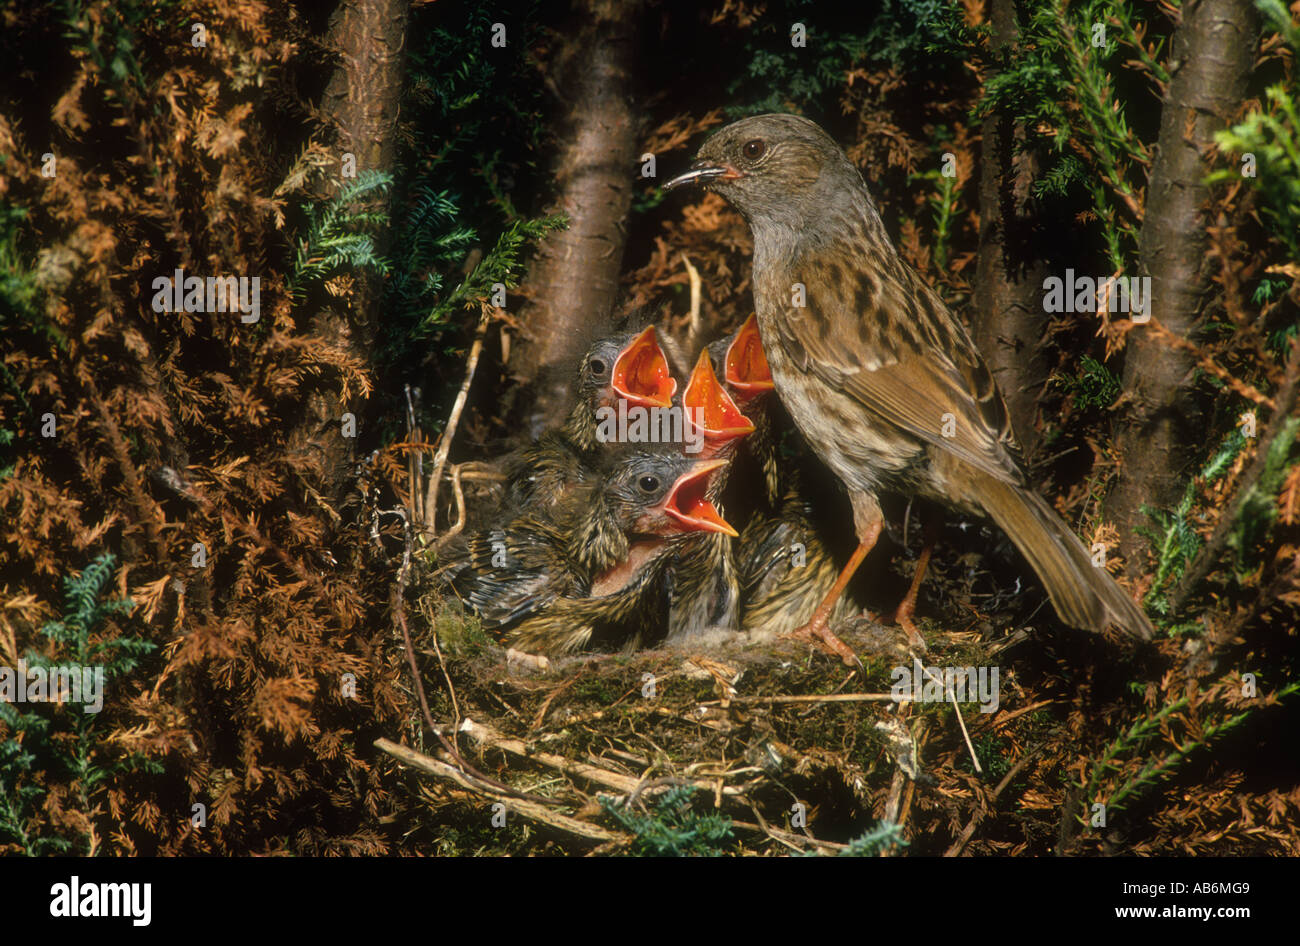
(739, 360)
(646, 505)
(784, 568)
(630, 367)
(582, 545)
(701, 583)
(506, 573)
(587, 544)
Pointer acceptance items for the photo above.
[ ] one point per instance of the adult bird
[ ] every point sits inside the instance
(885, 384)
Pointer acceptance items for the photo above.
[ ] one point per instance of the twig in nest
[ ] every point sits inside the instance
(1002, 719)
(414, 460)
(796, 842)
(459, 494)
(695, 330)
(540, 717)
(906, 754)
(397, 603)
(480, 472)
(451, 690)
(895, 801)
(465, 471)
(815, 698)
(646, 708)
(529, 809)
(838, 689)
(956, 707)
(453, 420)
(645, 785)
(625, 784)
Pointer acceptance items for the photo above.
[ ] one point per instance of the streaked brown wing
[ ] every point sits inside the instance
(910, 377)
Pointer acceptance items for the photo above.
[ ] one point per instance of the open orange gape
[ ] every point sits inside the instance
(641, 374)
(745, 366)
(688, 502)
(709, 408)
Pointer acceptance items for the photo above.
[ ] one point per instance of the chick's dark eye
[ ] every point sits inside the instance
(648, 484)
(596, 366)
(754, 149)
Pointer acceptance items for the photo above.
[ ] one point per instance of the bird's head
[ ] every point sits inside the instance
(720, 421)
(772, 168)
(629, 366)
(745, 367)
(666, 493)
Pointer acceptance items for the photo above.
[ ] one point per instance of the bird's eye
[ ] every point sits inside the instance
(648, 484)
(754, 149)
(596, 366)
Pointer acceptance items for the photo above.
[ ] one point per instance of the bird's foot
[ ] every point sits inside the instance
(914, 639)
(818, 634)
(903, 617)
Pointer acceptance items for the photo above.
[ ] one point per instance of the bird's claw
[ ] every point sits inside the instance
(914, 638)
(819, 635)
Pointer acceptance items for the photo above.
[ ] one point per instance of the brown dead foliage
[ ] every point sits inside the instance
(175, 429)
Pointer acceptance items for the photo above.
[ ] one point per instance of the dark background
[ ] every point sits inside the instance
(479, 165)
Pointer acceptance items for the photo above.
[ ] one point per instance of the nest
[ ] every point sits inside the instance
(741, 743)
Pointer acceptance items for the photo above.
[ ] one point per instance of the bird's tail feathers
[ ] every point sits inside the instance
(1083, 594)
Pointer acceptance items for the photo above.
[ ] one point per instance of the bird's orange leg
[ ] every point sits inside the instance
(868, 522)
(907, 607)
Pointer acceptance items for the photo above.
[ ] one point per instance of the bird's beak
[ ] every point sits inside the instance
(723, 420)
(688, 501)
(702, 172)
(746, 367)
(641, 374)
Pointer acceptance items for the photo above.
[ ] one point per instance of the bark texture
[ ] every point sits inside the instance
(361, 101)
(1160, 431)
(1009, 319)
(573, 283)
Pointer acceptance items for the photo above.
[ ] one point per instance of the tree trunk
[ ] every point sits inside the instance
(361, 101)
(1160, 433)
(1009, 318)
(573, 283)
